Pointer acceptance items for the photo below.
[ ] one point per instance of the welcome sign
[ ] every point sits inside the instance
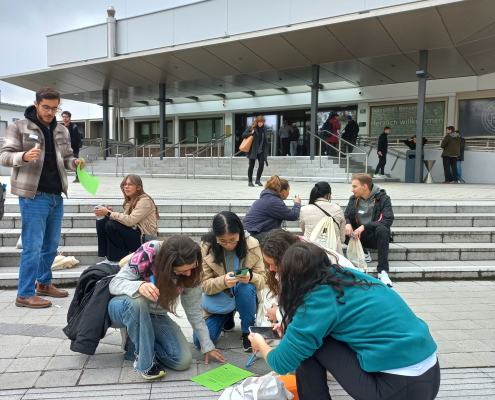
(402, 118)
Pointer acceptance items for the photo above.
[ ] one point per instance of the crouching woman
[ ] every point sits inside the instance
(142, 307)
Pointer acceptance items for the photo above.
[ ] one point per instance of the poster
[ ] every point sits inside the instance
(477, 117)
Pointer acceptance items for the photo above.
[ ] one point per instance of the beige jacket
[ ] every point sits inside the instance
(22, 136)
(213, 278)
(310, 216)
(143, 215)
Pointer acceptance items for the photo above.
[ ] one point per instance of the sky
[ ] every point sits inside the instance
(25, 24)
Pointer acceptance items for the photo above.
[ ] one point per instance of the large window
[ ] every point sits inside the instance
(148, 130)
(206, 129)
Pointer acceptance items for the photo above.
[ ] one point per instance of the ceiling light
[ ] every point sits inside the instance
(76, 94)
(240, 58)
(175, 66)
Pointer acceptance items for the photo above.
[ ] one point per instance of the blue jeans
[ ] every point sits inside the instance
(151, 335)
(41, 228)
(459, 170)
(245, 298)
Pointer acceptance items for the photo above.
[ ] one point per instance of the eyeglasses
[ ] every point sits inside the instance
(54, 109)
(186, 271)
(222, 243)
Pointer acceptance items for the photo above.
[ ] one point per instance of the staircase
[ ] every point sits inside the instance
(299, 169)
(431, 240)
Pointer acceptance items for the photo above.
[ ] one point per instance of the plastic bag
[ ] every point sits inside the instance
(355, 254)
(261, 388)
(265, 302)
(63, 262)
(324, 233)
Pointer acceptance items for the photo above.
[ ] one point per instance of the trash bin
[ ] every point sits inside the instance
(410, 165)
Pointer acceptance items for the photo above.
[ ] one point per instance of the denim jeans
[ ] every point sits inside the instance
(293, 148)
(245, 298)
(41, 228)
(152, 335)
(459, 170)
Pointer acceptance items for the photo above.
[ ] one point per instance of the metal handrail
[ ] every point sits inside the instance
(98, 140)
(207, 146)
(178, 145)
(347, 155)
(117, 144)
(231, 158)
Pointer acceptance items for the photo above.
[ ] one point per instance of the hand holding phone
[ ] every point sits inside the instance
(242, 271)
(266, 332)
(230, 280)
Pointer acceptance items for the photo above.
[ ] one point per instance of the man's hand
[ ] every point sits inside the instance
(32, 155)
(230, 280)
(358, 231)
(348, 230)
(379, 153)
(78, 161)
(271, 313)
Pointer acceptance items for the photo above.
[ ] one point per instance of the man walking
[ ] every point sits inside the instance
(451, 146)
(368, 217)
(38, 151)
(294, 138)
(75, 136)
(382, 153)
(351, 132)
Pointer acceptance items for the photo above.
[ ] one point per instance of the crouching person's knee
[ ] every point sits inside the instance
(185, 359)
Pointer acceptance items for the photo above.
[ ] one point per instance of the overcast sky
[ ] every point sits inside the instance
(25, 24)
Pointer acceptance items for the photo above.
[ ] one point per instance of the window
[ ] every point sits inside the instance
(148, 130)
(206, 129)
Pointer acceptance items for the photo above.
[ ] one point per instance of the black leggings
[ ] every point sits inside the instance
(261, 160)
(116, 241)
(342, 362)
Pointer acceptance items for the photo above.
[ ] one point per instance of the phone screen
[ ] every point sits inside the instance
(243, 271)
(266, 332)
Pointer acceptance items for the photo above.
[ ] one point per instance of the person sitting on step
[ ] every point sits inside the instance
(122, 233)
(269, 210)
(369, 217)
(225, 249)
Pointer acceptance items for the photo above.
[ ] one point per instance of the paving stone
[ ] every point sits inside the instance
(4, 363)
(46, 341)
(99, 377)
(38, 350)
(11, 329)
(9, 351)
(461, 360)
(18, 380)
(67, 362)
(17, 339)
(106, 361)
(108, 349)
(36, 330)
(28, 365)
(58, 378)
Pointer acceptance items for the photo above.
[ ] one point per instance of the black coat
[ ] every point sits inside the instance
(295, 134)
(88, 318)
(383, 143)
(382, 211)
(412, 145)
(75, 136)
(463, 146)
(351, 131)
(253, 153)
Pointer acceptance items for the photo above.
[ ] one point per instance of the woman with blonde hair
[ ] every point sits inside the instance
(268, 212)
(122, 233)
(259, 148)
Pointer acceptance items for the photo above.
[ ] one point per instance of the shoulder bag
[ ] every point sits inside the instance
(246, 144)
(220, 303)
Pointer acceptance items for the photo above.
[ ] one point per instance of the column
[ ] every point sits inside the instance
(163, 123)
(176, 134)
(228, 146)
(422, 76)
(106, 127)
(315, 78)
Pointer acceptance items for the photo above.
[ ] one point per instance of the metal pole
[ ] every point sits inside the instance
(185, 153)
(320, 152)
(111, 24)
(187, 168)
(163, 123)
(122, 166)
(194, 166)
(197, 143)
(347, 168)
(211, 154)
(340, 146)
(422, 76)
(106, 125)
(218, 153)
(231, 156)
(151, 164)
(116, 165)
(366, 165)
(315, 75)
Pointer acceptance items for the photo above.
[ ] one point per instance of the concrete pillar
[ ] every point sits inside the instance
(451, 105)
(422, 76)
(106, 127)
(163, 122)
(176, 134)
(229, 143)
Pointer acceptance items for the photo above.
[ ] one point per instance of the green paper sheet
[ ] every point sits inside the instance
(221, 377)
(89, 182)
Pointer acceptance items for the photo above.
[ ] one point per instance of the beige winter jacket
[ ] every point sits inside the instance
(143, 215)
(22, 136)
(213, 278)
(310, 216)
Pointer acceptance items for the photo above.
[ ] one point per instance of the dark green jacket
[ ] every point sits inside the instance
(451, 146)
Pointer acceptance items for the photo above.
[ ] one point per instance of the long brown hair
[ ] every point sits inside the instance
(276, 184)
(132, 201)
(259, 118)
(176, 252)
(275, 245)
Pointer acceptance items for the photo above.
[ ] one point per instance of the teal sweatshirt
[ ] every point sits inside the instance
(376, 323)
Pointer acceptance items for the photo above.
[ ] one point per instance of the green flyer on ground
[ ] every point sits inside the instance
(222, 377)
(89, 182)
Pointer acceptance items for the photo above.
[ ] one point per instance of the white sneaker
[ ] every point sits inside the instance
(383, 276)
(367, 257)
(383, 176)
(376, 176)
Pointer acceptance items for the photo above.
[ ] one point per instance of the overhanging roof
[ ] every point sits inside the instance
(371, 50)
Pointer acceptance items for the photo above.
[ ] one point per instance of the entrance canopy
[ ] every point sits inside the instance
(369, 49)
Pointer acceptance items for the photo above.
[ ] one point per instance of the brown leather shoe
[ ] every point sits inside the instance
(32, 302)
(50, 290)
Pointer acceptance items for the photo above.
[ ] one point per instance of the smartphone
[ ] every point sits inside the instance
(239, 272)
(266, 332)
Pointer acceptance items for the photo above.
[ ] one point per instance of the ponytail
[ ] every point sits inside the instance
(321, 189)
(276, 184)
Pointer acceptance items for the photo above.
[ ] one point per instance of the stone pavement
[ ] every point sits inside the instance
(37, 363)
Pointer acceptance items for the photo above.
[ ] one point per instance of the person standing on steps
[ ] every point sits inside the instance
(382, 152)
(259, 148)
(294, 138)
(331, 133)
(369, 217)
(451, 146)
(351, 132)
(38, 151)
(75, 136)
(460, 159)
(285, 133)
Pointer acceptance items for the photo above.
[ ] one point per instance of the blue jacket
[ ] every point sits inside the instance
(268, 212)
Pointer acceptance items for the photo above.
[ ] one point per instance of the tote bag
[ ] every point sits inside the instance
(355, 254)
(246, 144)
(324, 232)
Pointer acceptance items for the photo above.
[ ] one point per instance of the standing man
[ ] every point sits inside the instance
(284, 132)
(369, 216)
(351, 132)
(75, 136)
(294, 138)
(332, 127)
(38, 151)
(451, 146)
(460, 159)
(382, 152)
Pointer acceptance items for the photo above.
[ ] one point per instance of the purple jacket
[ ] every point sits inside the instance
(268, 212)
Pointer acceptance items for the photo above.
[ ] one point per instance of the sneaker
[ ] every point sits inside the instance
(367, 257)
(154, 372)
(230, 324)
(376, 176)
(246, 343)
(383, 276)
(383, 176)
(76, 180)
